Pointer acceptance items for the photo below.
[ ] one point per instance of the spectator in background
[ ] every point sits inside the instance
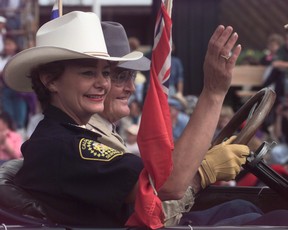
(3, 32)
(10, 49)
(176, 81)
(140, 79)
(278, 78)
(279, 72)
(274, 42)
(135, 112)
(225, 116)
(12, 102)
(280, 126)
(139, 86)
(133, 118)
(10, 140)
(12, 14)
(131, 139)
(179, 118)
(134, 43)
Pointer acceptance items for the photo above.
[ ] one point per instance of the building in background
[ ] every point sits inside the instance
(134, 15)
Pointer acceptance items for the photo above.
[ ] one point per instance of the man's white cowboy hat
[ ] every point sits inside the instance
(72, 36)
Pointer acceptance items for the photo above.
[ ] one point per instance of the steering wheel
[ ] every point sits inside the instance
(253, 112)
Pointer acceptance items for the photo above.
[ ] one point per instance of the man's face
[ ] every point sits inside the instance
(122, 87)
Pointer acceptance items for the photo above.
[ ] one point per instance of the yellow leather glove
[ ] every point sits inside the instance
(223, 162)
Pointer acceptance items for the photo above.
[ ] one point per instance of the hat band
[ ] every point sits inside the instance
(97, 54)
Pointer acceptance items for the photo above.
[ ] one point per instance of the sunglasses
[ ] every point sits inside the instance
(120, 77)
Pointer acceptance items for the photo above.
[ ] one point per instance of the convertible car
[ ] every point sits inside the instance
(18, 210)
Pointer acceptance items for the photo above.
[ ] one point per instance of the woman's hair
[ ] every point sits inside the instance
(55, 70)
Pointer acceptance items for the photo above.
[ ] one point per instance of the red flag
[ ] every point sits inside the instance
(155, 134)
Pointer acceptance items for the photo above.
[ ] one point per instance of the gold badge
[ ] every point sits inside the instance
(92, 150)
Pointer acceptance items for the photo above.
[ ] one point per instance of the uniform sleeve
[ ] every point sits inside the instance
(78, 173)
(98, 174)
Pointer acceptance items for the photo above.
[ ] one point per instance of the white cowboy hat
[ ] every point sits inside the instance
(72, 36)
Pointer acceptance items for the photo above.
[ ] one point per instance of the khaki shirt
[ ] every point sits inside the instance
(103, 127)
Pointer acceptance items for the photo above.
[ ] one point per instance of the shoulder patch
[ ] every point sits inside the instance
(92, 150)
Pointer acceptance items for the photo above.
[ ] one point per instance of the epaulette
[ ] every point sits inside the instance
(81, 129)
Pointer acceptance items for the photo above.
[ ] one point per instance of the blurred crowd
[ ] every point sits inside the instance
(17, 110)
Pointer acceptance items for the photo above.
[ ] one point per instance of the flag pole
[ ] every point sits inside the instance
(168, 4)
(155, 134)
(60, 7)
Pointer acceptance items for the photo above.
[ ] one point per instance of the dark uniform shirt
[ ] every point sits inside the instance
(80, 181)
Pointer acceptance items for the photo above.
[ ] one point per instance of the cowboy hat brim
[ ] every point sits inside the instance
(18, 68)
(142, 64)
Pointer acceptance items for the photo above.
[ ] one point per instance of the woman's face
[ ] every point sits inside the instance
(116, 102)
(81, 89)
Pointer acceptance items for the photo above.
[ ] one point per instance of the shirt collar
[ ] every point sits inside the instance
(57, 114)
